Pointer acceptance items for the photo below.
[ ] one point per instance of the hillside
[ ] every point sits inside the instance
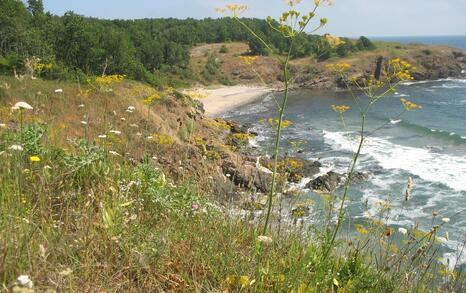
(430, 62)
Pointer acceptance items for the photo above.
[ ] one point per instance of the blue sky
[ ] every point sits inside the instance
(346, 17)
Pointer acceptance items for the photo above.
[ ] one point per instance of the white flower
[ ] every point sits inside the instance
(129, 111)
(441, 240)
(3, 125)
(131, 108)
(47, 167)
(83, 122)
(66, 272)
(59, 91)
(114, 153)
(115, 132)
(403, 231)
(264, 239)
(81, 106)
(446, 220)
(102, 136)
(21, 106)
(139, 134)
(134, 125)
(123, 119)
(24, 281)
(150, 137)
(16, 147)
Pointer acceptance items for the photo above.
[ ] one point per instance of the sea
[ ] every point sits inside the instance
(428, 145)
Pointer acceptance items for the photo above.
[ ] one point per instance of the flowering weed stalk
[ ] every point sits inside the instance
(290, 25)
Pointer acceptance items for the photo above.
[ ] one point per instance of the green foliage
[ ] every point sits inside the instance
(141, 49)
(223, 50)
(365, 44)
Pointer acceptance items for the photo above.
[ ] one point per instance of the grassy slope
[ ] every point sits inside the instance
(85, 220)
(423, 57)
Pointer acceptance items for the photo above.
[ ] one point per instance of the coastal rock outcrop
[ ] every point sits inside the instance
(326, 183)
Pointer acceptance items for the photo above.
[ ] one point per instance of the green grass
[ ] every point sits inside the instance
(84, 220)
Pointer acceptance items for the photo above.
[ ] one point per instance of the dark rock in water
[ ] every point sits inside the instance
(359, 177)
(236, 127)
(326, 183)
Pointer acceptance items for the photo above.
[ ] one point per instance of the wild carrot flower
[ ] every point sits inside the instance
(117, 132)
(59, 91)
(25, 281)
(114, 153)
(102, 136)
(83, 122)
(16, 147)
(81, 106)
(446, 220)
(21, 106)
(264, 239)
(3, 125)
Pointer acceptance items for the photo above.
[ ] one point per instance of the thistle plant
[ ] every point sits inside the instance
(290, 25)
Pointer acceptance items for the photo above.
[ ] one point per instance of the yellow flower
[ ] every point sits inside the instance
(361, 230)
(338, 67)
(244, 281)
(340, 109)
(333, 41)
(410, 106)
(151, 98)
(248, 60)
(34, 159)
(236, 9)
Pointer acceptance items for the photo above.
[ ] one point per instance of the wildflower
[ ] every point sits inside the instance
(102, 136)
(333, 41)
(47, 167)
(236, 9)
(3, 125)
(134, 125)
(194, 206)
(446, 220)
(25, 281)
(388, 232)
(244, 281)
(66, 272)
(16, 147)
(21, 106)
(34, 159)
(123, 119)
(361, 230)
(131, 108)
(409, 106)
(403, 231)
(151, 98)
(340, 109)
(150, 137)
(59, 91)
(117, 132)
(83, 122)
(264, 239)
(81, 106)
(248, 60)
(409, 188)
(114, 153)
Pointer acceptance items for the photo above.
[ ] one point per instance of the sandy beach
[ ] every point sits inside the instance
(220, 100)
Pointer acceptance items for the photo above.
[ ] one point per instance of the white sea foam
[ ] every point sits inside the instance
(395, 121)
(429, 166)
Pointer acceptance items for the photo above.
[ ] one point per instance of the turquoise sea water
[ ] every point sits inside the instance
(428, 145)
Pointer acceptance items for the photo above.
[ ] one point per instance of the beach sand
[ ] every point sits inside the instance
(223, 99)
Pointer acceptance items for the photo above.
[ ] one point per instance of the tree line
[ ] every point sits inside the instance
(143, 49)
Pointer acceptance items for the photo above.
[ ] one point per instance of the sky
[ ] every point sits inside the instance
(348, 18)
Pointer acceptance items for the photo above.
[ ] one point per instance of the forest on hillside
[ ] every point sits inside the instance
(144, 49)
